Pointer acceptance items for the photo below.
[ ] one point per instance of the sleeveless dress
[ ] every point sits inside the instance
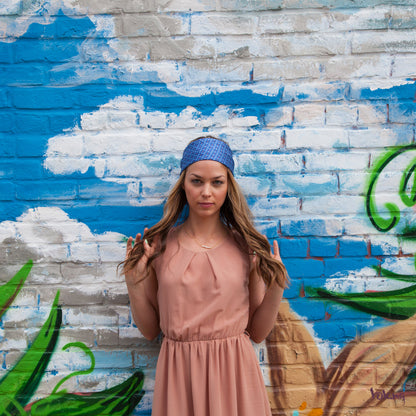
(207, 365)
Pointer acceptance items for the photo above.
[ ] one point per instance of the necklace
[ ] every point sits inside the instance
(201, 244)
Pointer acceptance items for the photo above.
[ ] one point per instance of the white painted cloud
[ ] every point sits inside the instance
(126, 144)
(53, 236)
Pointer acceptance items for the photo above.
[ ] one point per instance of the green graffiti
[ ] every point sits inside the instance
(19, 384)
(23, 379)
(119, 400)
(9, 291)
(380, 223)
(392, 304)
(88, 352)
(395, 304)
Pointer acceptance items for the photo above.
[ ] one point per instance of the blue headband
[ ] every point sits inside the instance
(207, 148)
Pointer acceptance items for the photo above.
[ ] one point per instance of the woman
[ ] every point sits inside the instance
(209, 284)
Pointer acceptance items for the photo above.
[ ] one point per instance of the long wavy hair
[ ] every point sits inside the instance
(235, 214)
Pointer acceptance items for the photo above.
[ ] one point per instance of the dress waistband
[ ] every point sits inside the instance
(243, 334)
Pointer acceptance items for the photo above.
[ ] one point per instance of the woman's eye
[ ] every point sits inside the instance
(195, 181)
(218, 183)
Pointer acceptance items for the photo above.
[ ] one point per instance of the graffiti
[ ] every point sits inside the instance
(382, 395)
(407, 196)
(340, 387)
(20, 383)
(359, 360)
(391, 304)
(313, 412)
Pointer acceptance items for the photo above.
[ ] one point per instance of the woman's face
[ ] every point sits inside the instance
(205, 187)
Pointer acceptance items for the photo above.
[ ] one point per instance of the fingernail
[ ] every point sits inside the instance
(146, 242)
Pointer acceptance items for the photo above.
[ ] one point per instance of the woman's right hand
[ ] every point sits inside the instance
(139, 271)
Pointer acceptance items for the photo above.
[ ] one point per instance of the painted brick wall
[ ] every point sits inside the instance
(317, 100)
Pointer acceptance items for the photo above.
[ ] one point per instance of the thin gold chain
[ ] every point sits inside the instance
(199, 243)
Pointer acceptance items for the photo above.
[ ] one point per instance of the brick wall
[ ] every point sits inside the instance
(316, 98)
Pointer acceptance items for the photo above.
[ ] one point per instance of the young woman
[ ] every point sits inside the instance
(209, 283)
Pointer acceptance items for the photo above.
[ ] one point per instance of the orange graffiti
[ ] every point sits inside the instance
(316, 412)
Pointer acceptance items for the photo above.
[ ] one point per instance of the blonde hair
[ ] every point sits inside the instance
(235, 214)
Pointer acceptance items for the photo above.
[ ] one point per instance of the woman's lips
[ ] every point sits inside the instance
(206, 204)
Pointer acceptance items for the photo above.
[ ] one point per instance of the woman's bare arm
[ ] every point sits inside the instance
(264, 304)
(142, 290)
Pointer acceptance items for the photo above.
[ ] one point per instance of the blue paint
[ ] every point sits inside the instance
(297, 247)
(323, 247)
(399, 92)
(353, 248)
(304, 309)
(342, 266)
(299, 268)
(6, 191)
(24, 133)
(306, 227)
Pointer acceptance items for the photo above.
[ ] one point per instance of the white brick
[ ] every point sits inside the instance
(403, 17)
(371, 114)
(72, 146)
(384, 41)
(146, 165)
(223, 24)
(281, 116)
(368, 18)
(287, 69)
(289, 22)
(341, 67)
(251, 140)
(306, 184)
(154, 120)
(94, 121)
(311, 90)
(255, 186)
(155, 187)
(275, 207)
(341, 115)
(357, 225)
(314, 44)
(408, 247)
(11, 7)
(172, 141)
(336, 160)
(117, 6)
(83, 252)
(261, 163)
(128, 141)
(388, 244)
(374, 137)
(117, 120)
(223, 69)
(152, 25)
(334, 204)
(353, 182)
(110, 252)
(309, 115)
(185, 6)
(404, 66)
(318, 138)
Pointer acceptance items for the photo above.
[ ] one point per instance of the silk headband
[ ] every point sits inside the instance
(207, 148)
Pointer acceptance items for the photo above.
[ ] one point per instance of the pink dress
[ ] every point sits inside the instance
(207, 365)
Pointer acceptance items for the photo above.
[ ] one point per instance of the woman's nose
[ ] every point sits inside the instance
(206, 190)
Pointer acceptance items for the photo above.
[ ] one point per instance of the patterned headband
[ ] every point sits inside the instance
(207, 148)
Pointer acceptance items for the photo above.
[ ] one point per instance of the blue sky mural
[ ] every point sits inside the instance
(53, 153)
